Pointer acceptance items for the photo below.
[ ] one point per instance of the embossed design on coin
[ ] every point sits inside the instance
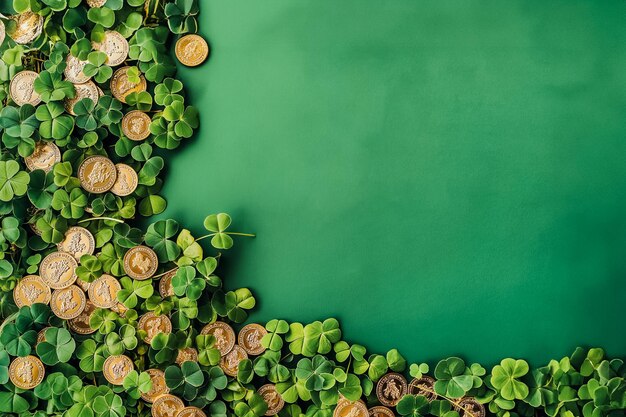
(30, 290)
(26, 372)
(191, 412)
(153, 325)
(224, 336)
(136, 125)
(80, 324)
(122, 86)
(346, 408)
(58, 270)
(68, 303)
(84, 285)
(97, 174)
(165, 284)
(74, 70)
(96, 3)
(230, 362)
(84, 90)
(3, 31)
(423, 386)
(380, 411)
(22, 88)
(469, 407)
(191, 50)
(187, 355)
(390, 389)
(115, 46)
(140, 262)
(28, 27)
(126, 182)
(78, 242)
(45, 155)
(249, 338)
(274, 401)
(167, 405)
(159, 387)
(116, 367)
(103, 291)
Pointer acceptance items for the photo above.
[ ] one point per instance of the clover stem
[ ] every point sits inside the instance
(165, 273)
(101, 218)
(8, 320)
(240, 234)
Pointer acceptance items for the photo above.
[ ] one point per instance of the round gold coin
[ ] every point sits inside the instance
(22, 88)
(96, 3)
(224, 336)
(390, 389)
(58, 270)
(97, 174)
(346, 408)
(192, 50)
(84, 285)
(159, 387)
(230, 362)
(120, 309)
(121, 86)
(469, 407)
(188, 354)
(3, 32)
(41, 334)
(140, 262)
(191, 412)
(126, 182)
(272, 398)
(116, 368)
(28, 27)
(380, 411)
(165, 284)
(167, 405)
(30, 290)
(423, 386)
(78, 242)
(26, 372)
(85, 90)
(115, 46)
(103, 291)
(74, 70)
(68, 303)
(80, 324)
(136, 125)
(45, 155)
(249, 338)
(153, 325)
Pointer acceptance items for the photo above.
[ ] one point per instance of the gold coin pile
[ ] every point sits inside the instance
(191, 50)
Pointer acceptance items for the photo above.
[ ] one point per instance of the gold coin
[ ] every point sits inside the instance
(140, 262)
(187, 355)
(380, 411)
(74, 70)
(115, 46)
(121, 86)
(103, 291)
(191, 412)
(230, 362)
(28, 27)
(22, 88)
(97, 174)
(249, 338)
(126, 182)
(3, 32)
(224, 336)
(136, 125)
(84, 285)
(469, 407)
(80, 324)
(165, 284)
(58, 270)
(116, 368)
(390, 389)
(153, 325)
(159, 387)
(272, 398)
(423, 386)
(45, 155)
(30, 290)
(41, 335)
(26, 372)
(96, 3)
(346, 408)
(84, 90)
(78, 242)
(167, 405)
(120, 309)
(192, 50)
(68, 303)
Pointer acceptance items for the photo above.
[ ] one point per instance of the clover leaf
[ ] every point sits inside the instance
(133, 290)
(185, 283)
(505, 379)
(316, 373)
(58, 346)
(413, 406)
(158, 236)
(51, 87)
(54, 124)
(168, 91)
(13, 182)
(91, 356)
(254, 407)
(184, 380)
(453, 381)
(137, 383)
(319, 337)
(19, 127)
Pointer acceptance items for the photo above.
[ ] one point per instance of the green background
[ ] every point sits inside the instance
(445, 177)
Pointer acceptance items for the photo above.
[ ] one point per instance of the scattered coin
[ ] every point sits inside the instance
(249, 338)
(28, 27)
(78, 242)
(41, 334)
(423, 386)
(140, 262)
(159, 387)
(136, 125)
(272, 398)
(187, 355)
(165, 284)
(122, 86)
(167, 405)
(103, 291)
(350, 409)
(390, 389)
(153, 325)
(97, 174)
(30, 290)
(26, 372)
(22, 88)
(192, 50)
(68, 303)
(84, 285)
(469, 407)
(126, 182)
(96, 3)
(3, 32)
(230, 362)
(191, 412)
(45, 155)
(380, 411)
(85, 90)
(116, 367)
(224, 336)
(74, 70)
(58, 270)
(80, 324)
(115, 46)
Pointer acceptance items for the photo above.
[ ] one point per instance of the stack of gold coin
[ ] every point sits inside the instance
(116, 368)
(122, 86)
(28, 27)
(191, 50)
(115, 46)
(45, 155)
(22, 88)
(136, 125)
(97, 174)
(140, 262)
(26, 372)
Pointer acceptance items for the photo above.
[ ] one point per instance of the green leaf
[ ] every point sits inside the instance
(57, 347)
(13, 182)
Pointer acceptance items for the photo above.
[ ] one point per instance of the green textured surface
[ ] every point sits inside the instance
(445, 177)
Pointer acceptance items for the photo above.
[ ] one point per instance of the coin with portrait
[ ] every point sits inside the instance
(103, 291)
(22, 88)
(191, 50)
(74, 70)
(68, 303)
(191, 412)
(380, 411)
(249, 338)
(165, 284)
(272, 398)
(153, 324)
(28, 27)
(136, 125)
(30, 290)
(58, 270)
(350, 409)
(230, 362)
(391, 388)
(140, 262)
(126, 182)
(167, 405)
(469, 407)
(224, 336)
(97, 174)
(26, 372)
(78, 242)
(423, 386)
(85, 90)
(115, 46)
(116, 368)
(122, 86)
(187, 354)
(45, 155)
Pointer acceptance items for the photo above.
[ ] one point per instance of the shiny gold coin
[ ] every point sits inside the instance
(380, 411)
(469, 407)
(116, 368)
(3, 32)
(45, 155)
(97, 174)
(346, 408)
(58, 270)
(167, 405)
(41, 334)
(26, 372)
(192, 50)
(74, 70)
(230, 362)
(122, 86)
(84, 285)
(159, 387)
(423, 386)
(126, 182)
(191, 412)
(165, 284)
(136, 125)
(85, 90)
(28, 27)
(68, 303)
(390, 389)
(187, 355)
(22, 88)
(115, 46)
(249, 338)
(96, 3)
(103, 291)
(153, 325)
(78, 242)
(80, 324)
(30, 290)
(120, 309)
(272, 398)
(140, 262)
(224, 336)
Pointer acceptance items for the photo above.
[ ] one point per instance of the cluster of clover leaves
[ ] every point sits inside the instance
(311, 365)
